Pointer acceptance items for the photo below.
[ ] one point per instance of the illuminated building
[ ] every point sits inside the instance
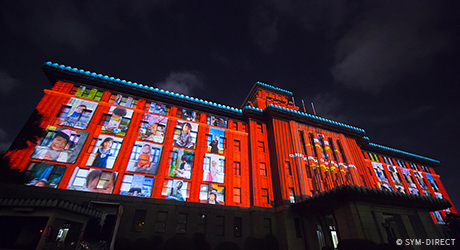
(154, 162)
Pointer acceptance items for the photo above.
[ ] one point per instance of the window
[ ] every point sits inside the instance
(235, 125)
(260, 128)
(265, 198)
(138, 221)
(44, 175)
(217, 121)
(181, 227)
(291, 195)
(201, 225)
(137, 185)
(237, 227)
(237, 146)
(122, 100)
(267, 225)
(160, 225)
(237, 168)
(401, 163)
(425, 168)
(413, 166)
(312, 144)
(88, 92)
(157, 108)
(304, 145)
(237, 195)
(287, 165)
(342, 152)
(263, 168)
(334, 151)
(220, 226)
(261, 147)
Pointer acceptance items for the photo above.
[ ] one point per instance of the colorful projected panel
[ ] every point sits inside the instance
(218, 121)
(181, 163)
(185, 134)
(105, 152)
(118, 121)
(394, 175)
(92, 180)
(212, 194)
(216, 139)
(90, 93)
(137, 185)
(378, 169)
(124, 101)
(189, 115)
(44, 175)
(214, 168)
(385, 187)
(153, 128)
(420, 180)
(144, 158)
(61, 145)
(176, 190)
(158, 108)
(408, 177)
(400, 189)
(78, 113)
(414, 191)
(432, 182)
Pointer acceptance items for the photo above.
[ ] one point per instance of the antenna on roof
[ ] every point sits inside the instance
(304, 109)
(313, 107)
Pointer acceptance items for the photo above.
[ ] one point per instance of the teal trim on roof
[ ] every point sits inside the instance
(319, 119)
(274, 88)
(402, 152)
(143, 87)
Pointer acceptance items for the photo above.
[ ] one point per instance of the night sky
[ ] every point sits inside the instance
(389, 67)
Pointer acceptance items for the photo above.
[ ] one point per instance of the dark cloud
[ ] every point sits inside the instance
(7, 82)
(390, 41)
(181, 82)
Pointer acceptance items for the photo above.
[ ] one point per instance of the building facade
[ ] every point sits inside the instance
(150, 162)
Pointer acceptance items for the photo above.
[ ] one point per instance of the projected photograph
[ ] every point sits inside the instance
(438, 195)
(124, 101)
(92, 180)
(185, 134)
(105, 152)
(400, 189)
(90, 93)
(181, 163)
(394, 175)
(77, 113)
(44, 175)
(158, 108)
(137, 185)
(420, 180)
(378, 168)
(212, 194)
(215, 141)
(189, 114)
(152, 128)
(117, 122)
(144, 158)
(432, 182)
(218, 121)
(408, 177)
(438, 217)
(426, 193)
(385, 187)
(60, 145)
(414, 191)
(175, 190)
(214, 168)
